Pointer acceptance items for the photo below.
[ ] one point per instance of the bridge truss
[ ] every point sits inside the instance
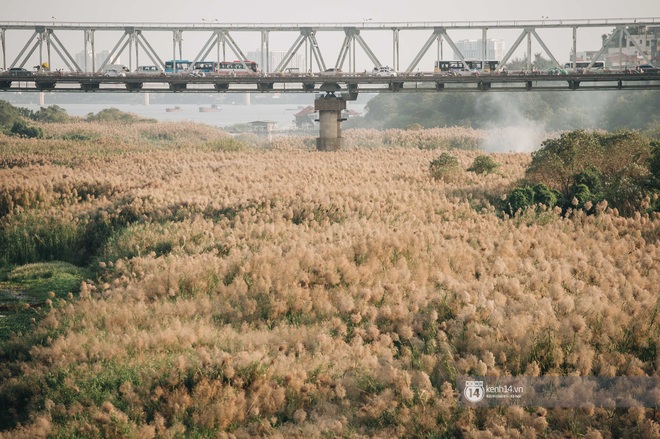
(44, 41)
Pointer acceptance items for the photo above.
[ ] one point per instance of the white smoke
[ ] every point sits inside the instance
(510, 130)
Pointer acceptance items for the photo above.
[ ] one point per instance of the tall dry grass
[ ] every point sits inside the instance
(290, 293)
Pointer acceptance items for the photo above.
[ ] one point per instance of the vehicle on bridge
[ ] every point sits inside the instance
(384, 71)
(205, 67)
(237, 67)
(226, 67)
(467, 67)
(448, 66)
(114, 73)
(487, 66)
(331, 72)
(148, 70)
(177, 66)
(115, 70)
(19, 71)
(583, 66)
(647, 68)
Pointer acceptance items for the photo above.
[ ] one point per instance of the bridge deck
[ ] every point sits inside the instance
(344, 83)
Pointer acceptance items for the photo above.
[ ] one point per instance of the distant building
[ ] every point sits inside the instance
(263, 128)
(80, 58)
(305, 117)
(472, 49)
(101, 56)
(274, 60)
(646, 39)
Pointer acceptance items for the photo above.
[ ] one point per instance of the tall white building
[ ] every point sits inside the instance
(472, 49)
(101, 56)
(275, 58)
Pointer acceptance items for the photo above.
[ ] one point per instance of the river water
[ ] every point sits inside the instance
(229, 114)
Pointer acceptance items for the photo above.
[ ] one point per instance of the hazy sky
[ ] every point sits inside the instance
(310, 11)
(314, 11)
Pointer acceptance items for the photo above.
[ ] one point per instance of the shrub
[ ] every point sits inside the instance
(596, 166)
(21, 129)
(115, 115)
(527, 196)
(52, 114)
(544, 195)
(519, 199)
(556, 163)
(483, 164)
(654, 166)
(445, 167)
(8, 115)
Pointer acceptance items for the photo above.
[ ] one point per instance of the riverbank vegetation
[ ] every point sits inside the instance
(211, 286)
(541, 111)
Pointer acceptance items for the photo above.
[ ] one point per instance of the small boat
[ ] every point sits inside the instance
(173, 109)
(210, 109)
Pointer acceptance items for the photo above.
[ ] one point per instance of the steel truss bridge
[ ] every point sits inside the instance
(43, 43)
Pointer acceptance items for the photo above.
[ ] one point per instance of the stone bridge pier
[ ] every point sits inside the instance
(329, 107)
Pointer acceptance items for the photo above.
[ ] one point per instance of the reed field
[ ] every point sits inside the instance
(223, 287)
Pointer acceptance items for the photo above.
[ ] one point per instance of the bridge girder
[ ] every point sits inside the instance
(134, 41)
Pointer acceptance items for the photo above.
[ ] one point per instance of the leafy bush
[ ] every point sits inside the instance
(527, 196)
(654, 166)
(559, 160)
(445, 167)
(593, 166)
(51, 114)
(115, 115)
(483, 164)
(519, 199)
(9, 115)
(21, 129)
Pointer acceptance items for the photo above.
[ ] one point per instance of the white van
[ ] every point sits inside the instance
(148, 70)
(120, 68)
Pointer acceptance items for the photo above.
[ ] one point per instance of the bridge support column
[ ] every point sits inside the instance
(329, 107)
(42, 99)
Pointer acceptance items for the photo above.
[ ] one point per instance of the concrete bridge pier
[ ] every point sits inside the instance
(329, 107)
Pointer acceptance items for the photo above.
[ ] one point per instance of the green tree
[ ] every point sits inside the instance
(445, 167)
(483, 164)
(115, 115)
(559, 160)
(8, 115)
(51, 114)
(596, 166)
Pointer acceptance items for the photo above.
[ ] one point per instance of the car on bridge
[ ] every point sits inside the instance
(384, 71)
(648, 68)
(19, 71)
(332, 72)
(114, 73)
(148, 70)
